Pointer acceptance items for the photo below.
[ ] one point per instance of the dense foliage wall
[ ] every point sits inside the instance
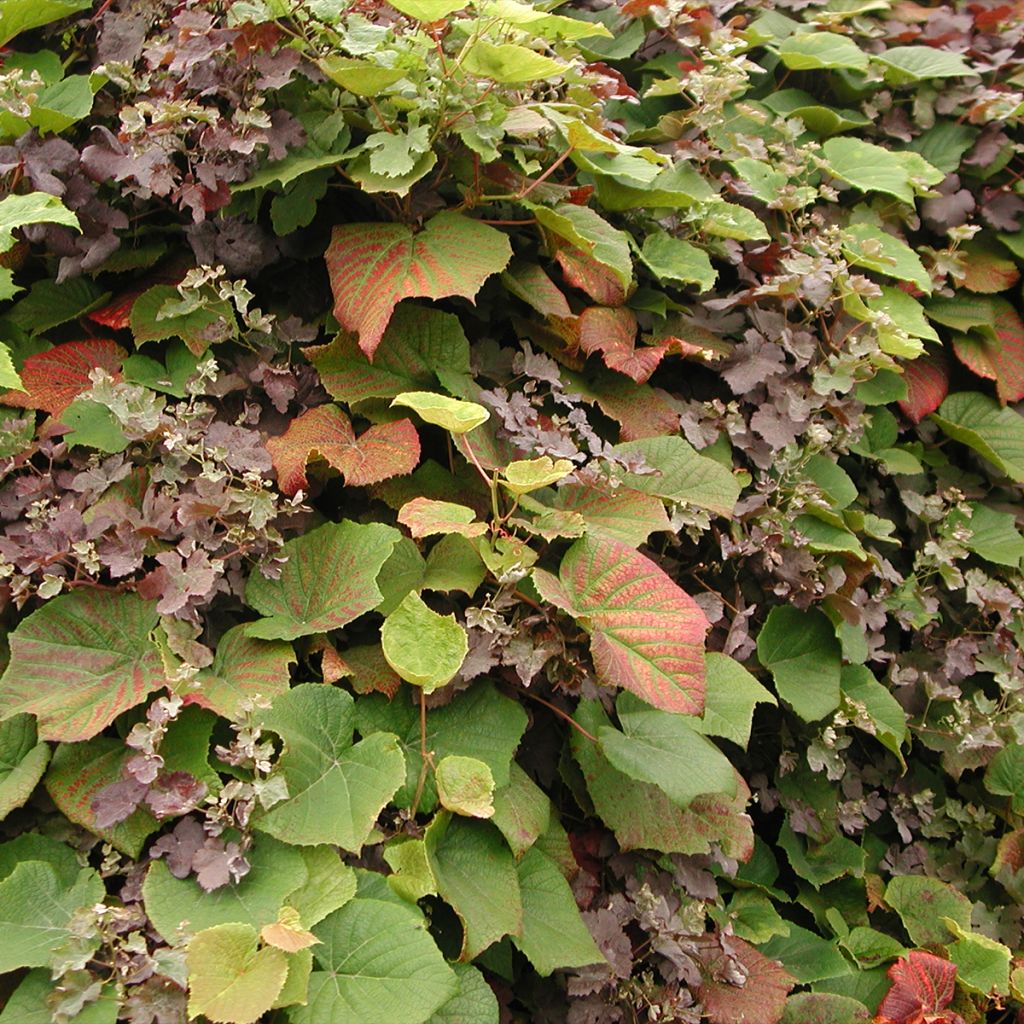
(510, 513)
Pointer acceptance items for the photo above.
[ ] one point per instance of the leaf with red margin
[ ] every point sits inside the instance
(740, 985)
(646, 635)
(624, 514)
(923, 986)
(117, 315)
(1003, 363)
(80, 660)
(242, 667)
(383, 451)
(528, 282)
(425, 517)
(927, 380)
(372, 267)
(611, 330)
(987, 271)
(55, 378)
(597, 280)
(370, 672)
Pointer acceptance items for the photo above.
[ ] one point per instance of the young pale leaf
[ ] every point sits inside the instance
(455, 415)
(465, 786)
(80, 660)
(424, 648)
(372, 267)
(287, 933)
(508, 63)
(979, 422)
(476, 874)
(983, 965)
(454, 564)
(429, 10)
(425, 517)
(22, 762)
(376, 964)
(663, 750)
(229, 979)
(328, 580)
(809, 51)
(383, 451)
(553, 933)
(16, 211)
(335, 790)
(802, 653)
(524, 476)
(36, 909)
(646, 635)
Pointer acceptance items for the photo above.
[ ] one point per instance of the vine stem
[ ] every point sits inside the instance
(561, 714)
(426, 759)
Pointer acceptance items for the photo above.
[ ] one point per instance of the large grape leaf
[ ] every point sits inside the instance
(646, 635)
(55, 378)
(373, 267)
(328, 580)
(417, 343)
(995, 433)
(22, 762)
(383, 451)
(242, 668)
(625, 514)
(336, 789)
(376, 964)
(36, 907)
(80, 660)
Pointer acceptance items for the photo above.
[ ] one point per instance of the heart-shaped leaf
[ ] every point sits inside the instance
(80, 660)
(373, 267)
(424, 648)
(922, 984)
(455, 415)
(646, 635)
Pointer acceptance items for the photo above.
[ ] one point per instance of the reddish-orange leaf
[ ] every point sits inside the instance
(1003, 363)
(527, 281)
(372, 267)
(927, 380)
(988, 272)
(370, 671)
(923, 986)
(646, 634)
(611, 330)
(55, 378)
(383, 451)
(117, 315)
(425, 517)
(597, 280)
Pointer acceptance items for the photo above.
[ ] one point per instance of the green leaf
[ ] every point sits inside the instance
(49, 304)
(199, 329)
(376, 964)
(401, 575)
(362, 77)
(22, 762)
(870, 947)
(474, 1003)
(809, 51)
(730, 695)
(93, 426)
(663, 749)
(905, 64)
(806, 956)
(479, 723)
(29, 1003)
(1004, 776)
(646, 634)
(465, 786)
(17, 16)
(372, 267)
(835, 483)
(424, 648)
(16, 211)
(588, 230)
(8, 374)
(523, 476)
(802, 653)
(429, 10)
(328, 580)
(981, 423)
(509, 63)
(169, 377)
(522, 811)
(982, 964)
(730, 220)
(329, 884)
(922, 903)
(945, 144)
(553, 934)
(229, 979)
(32, 846)
(395, 153)
(872, 168)
(676, 187)
(871, 707)
(36, 909)
(412, 878)
(453, 414)
(336, 789)
(643, 817)
(824, 1008)
(672, 259)
(867, 246)
(80, 660)
(476, 874)
(681, 474)
(180, 905)
(454, 564)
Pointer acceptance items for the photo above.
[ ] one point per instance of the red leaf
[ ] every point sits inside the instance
(383, 451)
(372, 267)
(117, 315)
(740, 985)
(597, 280)
(55, 378)
(646, 634)
(611, 330)
(923, 986)
(927, 380)
(1003, 363)
(988, 272)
